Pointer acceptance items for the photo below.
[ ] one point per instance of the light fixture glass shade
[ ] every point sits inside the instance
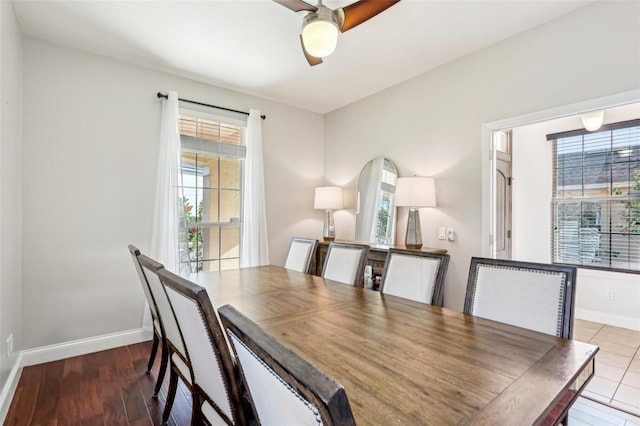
(592, 120)
(416, 192)
(320, 38)
(328, 198)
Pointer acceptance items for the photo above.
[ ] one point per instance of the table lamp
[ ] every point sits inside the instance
(328, 198)
(415, 192)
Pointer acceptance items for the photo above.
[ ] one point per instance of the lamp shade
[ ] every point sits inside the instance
(592, 120)
(320, 37)
(328, 198)
(416, 192)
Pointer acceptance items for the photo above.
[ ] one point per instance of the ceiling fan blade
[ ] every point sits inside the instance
(313, 60)
(297, 5)
(363, 10)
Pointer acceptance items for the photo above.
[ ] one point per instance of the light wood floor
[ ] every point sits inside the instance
(617, 372)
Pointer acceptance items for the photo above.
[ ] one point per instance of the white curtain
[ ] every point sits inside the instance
(169, 211)
(254, 248)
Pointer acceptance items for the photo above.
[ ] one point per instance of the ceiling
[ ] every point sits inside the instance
(252, 46)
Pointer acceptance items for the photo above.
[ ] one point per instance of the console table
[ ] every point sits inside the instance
(376, 257)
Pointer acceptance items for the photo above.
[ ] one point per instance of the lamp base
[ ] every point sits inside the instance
(413, 238)
(329, 231)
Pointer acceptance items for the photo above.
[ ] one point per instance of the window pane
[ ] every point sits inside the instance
(211, 206)
(229, 264)
(384, 223)
(209, 130)
(597, 176)
(229, 205)
(229, 242)
(230, 134)
(208, 165)
(187, 126)
(211, 238)
(230, 173)
(211, 265)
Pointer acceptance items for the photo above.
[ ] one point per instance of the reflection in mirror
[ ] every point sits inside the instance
(375, 219)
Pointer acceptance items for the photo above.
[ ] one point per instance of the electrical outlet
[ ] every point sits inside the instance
(9, 345)
(610, 295)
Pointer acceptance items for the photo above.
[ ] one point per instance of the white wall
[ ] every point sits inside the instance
(90, 147)
(10, 185)
(90, 127)
(431, 125)
(532, 187)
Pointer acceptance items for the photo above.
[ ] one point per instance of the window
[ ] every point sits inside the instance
(212, 160)
(384, 218)
(596, 197)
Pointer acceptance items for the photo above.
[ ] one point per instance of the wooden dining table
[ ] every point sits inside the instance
(404, 362)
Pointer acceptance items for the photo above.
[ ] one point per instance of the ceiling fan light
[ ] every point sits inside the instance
(320, 37)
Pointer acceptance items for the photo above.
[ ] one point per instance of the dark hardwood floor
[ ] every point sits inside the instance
(102, 388)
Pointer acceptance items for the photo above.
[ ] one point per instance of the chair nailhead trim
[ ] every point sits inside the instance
(309, 406)
(559, 316)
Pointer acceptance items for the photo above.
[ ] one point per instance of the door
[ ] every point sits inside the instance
(502, 143)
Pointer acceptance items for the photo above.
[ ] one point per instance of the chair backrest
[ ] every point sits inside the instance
(345, 263)
(284, 388)
(536, 296)
(214, 372)
(301, 251)
(172, 333)
(415, 275)
(143, 281)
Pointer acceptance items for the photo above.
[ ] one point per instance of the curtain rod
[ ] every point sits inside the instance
(162, 95)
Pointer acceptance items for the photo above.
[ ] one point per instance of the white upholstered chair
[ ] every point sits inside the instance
(284, 389)
(300, 255)
(178, 361)
(415, 275)
(158, 329)
(536, 296)
(216, 395)
(345, 263)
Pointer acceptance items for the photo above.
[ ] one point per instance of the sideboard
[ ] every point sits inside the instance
(376, 258)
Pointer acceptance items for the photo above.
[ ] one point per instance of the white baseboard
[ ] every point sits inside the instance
(9, 388)
(610, 319)
(83, 346)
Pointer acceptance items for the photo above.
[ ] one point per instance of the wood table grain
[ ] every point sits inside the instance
(404, 362)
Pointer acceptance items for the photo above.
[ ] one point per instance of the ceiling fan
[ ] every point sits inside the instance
(320, 24)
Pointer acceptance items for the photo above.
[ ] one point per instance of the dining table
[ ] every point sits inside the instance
(403, 362)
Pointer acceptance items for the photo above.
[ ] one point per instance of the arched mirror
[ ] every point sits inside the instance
(375, 219)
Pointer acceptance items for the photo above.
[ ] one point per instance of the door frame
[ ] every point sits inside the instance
(489, 153)
(504, 163)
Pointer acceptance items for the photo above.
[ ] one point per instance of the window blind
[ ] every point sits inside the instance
(596, 197)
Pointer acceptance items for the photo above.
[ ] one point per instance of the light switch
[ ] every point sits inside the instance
(442, 233)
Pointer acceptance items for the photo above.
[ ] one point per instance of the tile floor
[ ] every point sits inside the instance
(617, 372)
(586, 412)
